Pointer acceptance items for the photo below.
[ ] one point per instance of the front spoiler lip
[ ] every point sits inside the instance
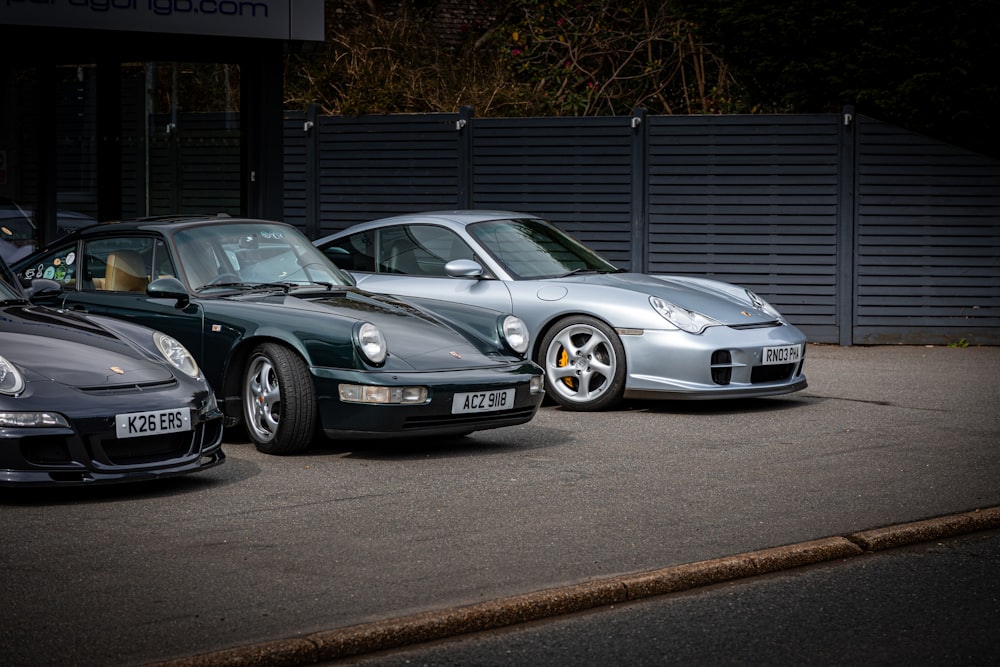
(717, 393)
(85, 476)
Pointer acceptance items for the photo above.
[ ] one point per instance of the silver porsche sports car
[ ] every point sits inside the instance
(600, 333)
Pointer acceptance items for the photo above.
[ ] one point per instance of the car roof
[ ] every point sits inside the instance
(164, 223)
(461, 217)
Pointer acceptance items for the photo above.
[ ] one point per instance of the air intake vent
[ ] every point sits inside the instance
(722, 367)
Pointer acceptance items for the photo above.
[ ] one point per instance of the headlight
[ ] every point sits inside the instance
(371, 342)
(11, 381)
(176, 354)
(32, 420)
(514, 332)
(682, 318)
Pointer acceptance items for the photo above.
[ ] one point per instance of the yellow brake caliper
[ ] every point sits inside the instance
(562, 363)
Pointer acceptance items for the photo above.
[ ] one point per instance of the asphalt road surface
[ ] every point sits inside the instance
(264, 559)
(934, 603)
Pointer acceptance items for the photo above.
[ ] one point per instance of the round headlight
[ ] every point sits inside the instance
(11, 381)
(371, 342)
(176, 354)
(515, 333)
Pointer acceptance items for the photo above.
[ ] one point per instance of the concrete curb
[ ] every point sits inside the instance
(424, 627)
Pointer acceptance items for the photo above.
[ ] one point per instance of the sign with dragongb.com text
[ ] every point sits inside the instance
(274, 19)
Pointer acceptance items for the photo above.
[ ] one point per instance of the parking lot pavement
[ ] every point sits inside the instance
(268, 560)
(931, 603)
(407, 631)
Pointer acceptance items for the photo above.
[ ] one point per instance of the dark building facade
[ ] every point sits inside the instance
(91, 90)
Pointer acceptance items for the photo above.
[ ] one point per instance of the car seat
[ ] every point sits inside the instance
(125, 272)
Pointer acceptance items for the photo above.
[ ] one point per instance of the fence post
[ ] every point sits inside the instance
(311, 168)
(846, 225)
(463, 126)
(640, 180)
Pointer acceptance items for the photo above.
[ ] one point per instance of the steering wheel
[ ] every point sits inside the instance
(224, 278)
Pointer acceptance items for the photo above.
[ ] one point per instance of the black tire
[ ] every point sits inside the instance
(279, 401)
(584, 362)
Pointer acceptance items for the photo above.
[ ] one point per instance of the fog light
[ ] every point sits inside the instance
(537, 384)
(364, 393)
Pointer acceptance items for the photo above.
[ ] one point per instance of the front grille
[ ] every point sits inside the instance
(147, 449)
(432, 421)
(151, 448)
(771, 373)
(112, 455)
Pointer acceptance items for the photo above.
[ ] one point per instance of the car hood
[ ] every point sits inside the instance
(417, 338)
(51, 345)
(722, 302)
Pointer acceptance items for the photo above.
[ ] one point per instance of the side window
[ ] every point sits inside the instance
(420, 250)
(117, 265)
(395, 251)
(60, 265)
(354, 253)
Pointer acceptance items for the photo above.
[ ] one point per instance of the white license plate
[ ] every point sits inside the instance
(136, 424)
(786, 354)
(483, 401)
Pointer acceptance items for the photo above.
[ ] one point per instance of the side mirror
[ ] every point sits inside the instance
(42, 287)
(464, 268)
(168, 288)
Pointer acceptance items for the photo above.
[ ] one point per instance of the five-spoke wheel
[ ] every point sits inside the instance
(584, 363)
(279, 402)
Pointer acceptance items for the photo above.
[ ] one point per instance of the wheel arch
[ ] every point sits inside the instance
(550, 322)
(236, 364)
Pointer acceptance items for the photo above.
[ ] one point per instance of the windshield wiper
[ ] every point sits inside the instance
(223, 286)
(288, 286)
(321, 283)
(263, 287)
(576, 272)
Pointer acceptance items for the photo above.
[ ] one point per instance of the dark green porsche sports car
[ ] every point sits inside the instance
(289, 344)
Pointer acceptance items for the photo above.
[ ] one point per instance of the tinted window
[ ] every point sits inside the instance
(420, 250)
(353, 253)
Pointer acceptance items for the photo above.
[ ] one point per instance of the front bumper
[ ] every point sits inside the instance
(89, 452)
(434, 417)
(720, 363)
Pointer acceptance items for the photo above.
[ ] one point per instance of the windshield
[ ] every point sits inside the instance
(531, 248)
(252, 253)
